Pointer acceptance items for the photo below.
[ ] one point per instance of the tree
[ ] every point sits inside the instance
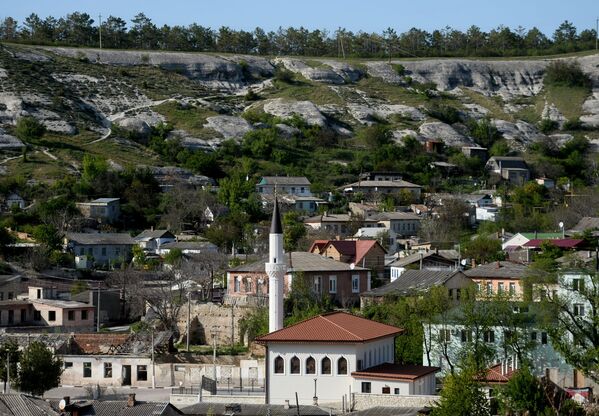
(47, 235)
(39, 369)
(483, 249)
(293, 230)
(29, 129)
(9, 353)
(523, 394)
(462, 396)
(129, 281)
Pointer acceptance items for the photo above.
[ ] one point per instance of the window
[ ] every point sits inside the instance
(11, 316)
(37, 316)
(360, 364)
(71, 315)
(310, 365)
(578, 310)
(479, 288)
(458, 294)
(332, 284)
(1, 295)
(317, 284)
(366, 387)
(23, 315)
(489, 336)
(325, 366)
(279, 365)
(237, 283)
(81, 251)
(386, 390)
(445, 336)
(11, 295)
(342, 366)
(295, 365)
(577, 284)
(355, 283)
(533, 336)
(544, 338)
(84, 315)
(90, 251)
(466, 336)
(103, 251)
(107, 370)
(500, 288)
(396, 390)
(51, 315)
(39, 293)
(247, 283)
(489, 289)
(87, 369)
(512, 289)
(142, 373)
(68, 364)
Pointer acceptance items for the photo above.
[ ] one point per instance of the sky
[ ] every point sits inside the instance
(355, 15)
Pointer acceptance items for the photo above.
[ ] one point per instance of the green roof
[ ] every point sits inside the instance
(542, 236)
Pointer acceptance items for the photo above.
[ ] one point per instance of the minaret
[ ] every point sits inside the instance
(276, 270)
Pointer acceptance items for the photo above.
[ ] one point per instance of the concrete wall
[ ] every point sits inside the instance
(183, 400)
(367, 401)
(73, 375)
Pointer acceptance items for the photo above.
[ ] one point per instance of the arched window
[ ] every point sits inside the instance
(310, 365)
(342, 366)
(279, 365)
(325, 366)
(295, 365)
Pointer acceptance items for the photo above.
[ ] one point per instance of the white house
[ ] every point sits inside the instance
(326, 357)
(291, 185)
(153, 240)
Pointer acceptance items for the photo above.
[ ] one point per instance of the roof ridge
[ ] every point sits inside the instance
(339, 326)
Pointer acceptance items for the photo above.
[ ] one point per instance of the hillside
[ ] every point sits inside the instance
(108, 103)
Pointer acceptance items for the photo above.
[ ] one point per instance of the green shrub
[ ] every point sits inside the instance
(547, 126)
(399, 69)
(29, 129)
(444, 113)
(251, 96)
(566, 73)
(283, 75)
(573, 124)
(485, 132)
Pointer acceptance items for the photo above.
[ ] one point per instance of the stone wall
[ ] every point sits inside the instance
(363, 401)
(183, 400)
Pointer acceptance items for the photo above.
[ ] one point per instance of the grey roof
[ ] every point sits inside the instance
(388, 411)
(119, 408)
(586, 223)
(498, 269)
(414, 281)
(397, 216)
(64, 304)
(101, 238)
(400, 183)
(146, 235)
(275, 225)
(189, 245)
(23, 405)
(509, 162)
(449, 255)
(301, 261)
(219, 409)
(284, 180)
(54, 341)
(336, 218)
(105, 200)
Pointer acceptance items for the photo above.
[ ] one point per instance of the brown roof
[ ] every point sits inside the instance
(317, 246)
(332, 327)
(98, 343)
(355, 249)
(494, 375)
(388, 371)
(300, 261)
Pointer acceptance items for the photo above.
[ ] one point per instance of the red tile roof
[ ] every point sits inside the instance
(333, 327)
(98, 343)
(319, 245)
(355, 249)
(388, 371)
(363, 247)
(494, 375)
(559, 242)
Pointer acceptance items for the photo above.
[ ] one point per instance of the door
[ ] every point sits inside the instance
(126, 375)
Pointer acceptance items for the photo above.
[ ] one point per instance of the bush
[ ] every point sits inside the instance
(547, 126)
(566, 73)
(573, 124)
(251, 96)
(29, 129)
(399, 69)
(284, 75)
(444, 113)
(485, 132)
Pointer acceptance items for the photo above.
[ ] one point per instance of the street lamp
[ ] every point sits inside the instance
(214, 333)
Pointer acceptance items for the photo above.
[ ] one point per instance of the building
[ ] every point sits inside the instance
(188, 247)
(365, 253)
(475, 151)
(413, 282)
(433, 260)
(152, 240)
(404, 224)
(291, 185)
(512, 169)
(339, 224)
(323, 358)
(387, 238)
(102, 209)
(13, 200)
(384, 187)
(13, 404)
(499, 277)
(129, 407)
(291, 202)
(342, 282)
(518, 240)
(99, 249)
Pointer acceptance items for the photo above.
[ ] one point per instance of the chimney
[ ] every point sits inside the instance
(286, 405)
(498, 264)
(131, 400)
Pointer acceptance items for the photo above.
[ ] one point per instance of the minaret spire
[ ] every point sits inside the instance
(276, 270)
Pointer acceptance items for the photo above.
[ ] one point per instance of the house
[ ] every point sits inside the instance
(381, 175)
(383, 187)
(152, 240)
(476, 151)
(102, 209)
(519, 239)
(419, 281)
(371, 233)
(365, 253)
(11, 286)
(512, 169)
(342, 282)
(325, 357)
(291, 185)
(129, 407)
(15, 404)
(499, 277)
(338, 224)
(99, 249)
(404, 224)
(188, 247)
(434, 260)
(13, 200)
(585, 224)
(43, 309)
(299, 203)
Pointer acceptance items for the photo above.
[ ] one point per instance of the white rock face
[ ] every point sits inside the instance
(134, 125)
(385, 71)
(321, 74)
(364, 113)
(8, 142)
(476, 111)
(445, 133)
(590, 108)
(345, 70)
(286, 108)
(3, 73)
(229, 127)
(551, 112)
(519, 134)
(193, 143)
(400, 135)
(287, 131)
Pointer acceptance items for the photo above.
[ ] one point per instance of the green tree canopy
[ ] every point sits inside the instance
(39, 369)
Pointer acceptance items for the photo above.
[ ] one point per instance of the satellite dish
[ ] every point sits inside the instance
(464, 262)
(561, 224)
(62, 404)
(352, 266)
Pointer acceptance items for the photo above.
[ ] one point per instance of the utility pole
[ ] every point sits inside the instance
(100, 31)
(214, 333)
(597, 34)
(98, 313)
(153, 373)
(188, 317)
